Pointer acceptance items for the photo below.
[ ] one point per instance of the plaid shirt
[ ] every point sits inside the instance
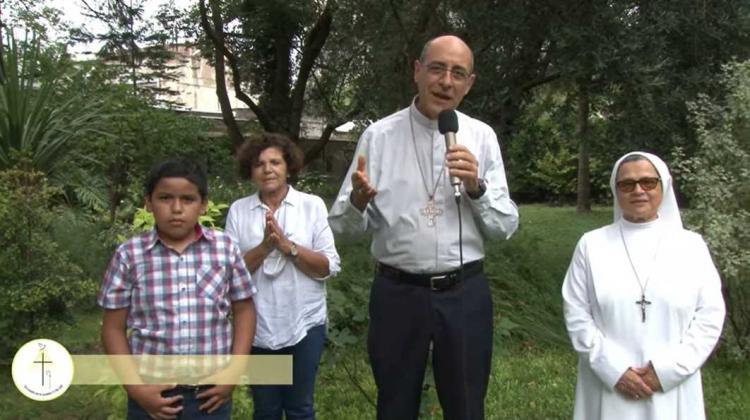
(178, 303)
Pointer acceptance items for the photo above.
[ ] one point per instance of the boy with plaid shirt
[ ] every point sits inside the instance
(170, 292)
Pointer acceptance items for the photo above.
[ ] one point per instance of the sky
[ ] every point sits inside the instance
(73, 8)
(73, 14)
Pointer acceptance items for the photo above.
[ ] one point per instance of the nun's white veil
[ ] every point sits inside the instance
(669, 213)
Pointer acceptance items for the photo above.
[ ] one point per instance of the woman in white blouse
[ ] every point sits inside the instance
(643, 304)
(289, 249)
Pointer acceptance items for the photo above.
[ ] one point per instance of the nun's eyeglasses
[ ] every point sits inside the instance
(628, 185)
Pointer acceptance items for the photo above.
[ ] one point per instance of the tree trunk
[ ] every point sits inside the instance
(222, 95)
(583, 190)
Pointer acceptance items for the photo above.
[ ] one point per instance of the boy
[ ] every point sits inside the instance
(169, 292)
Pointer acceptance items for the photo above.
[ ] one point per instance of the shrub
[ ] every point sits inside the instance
(143, 220)
(39, 285)
(317, 183)
(717, 181)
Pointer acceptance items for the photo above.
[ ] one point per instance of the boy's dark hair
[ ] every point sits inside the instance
(177, 168)
(249, 152)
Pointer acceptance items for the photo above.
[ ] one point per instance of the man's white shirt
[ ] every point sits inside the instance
(402, 234)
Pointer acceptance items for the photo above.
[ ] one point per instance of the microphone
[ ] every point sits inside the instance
(448, 126)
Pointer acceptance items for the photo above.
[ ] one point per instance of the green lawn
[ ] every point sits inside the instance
(533, 367)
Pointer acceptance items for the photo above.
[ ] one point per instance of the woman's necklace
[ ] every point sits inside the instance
(643, 302)
(430, 211)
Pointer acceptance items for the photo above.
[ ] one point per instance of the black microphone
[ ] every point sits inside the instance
(448, 126)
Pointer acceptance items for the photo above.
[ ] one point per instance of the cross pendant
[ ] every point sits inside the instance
(643, 302)
(431, 212)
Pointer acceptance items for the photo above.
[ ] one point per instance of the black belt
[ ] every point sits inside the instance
(196, 389)
(436, 281)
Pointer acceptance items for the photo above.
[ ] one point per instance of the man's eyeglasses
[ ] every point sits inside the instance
(438, 69)
(628, 185)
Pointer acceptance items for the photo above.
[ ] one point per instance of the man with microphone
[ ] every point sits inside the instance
(429, 289)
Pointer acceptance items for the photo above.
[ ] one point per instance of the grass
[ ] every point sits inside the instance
(534, 369)
(527, 271)
(527, 383)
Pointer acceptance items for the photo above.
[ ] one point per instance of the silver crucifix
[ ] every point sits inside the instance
(643, 302)
(431, 212)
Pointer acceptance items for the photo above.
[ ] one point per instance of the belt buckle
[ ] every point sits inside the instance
(438, 277)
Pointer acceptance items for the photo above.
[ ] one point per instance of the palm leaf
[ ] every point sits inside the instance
(33, 124)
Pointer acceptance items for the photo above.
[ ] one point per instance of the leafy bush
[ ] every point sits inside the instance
(349, 294)
(116, 162)
(82, 237)
(717, 180)
(143, 220)
(39, 285)
(541, 159)
(317, 183)
(222, 191)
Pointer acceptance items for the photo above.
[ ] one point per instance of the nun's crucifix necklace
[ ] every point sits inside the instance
(642, 302)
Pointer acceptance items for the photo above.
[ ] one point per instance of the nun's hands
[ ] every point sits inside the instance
(632, 386)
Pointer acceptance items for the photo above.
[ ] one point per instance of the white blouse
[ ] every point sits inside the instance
(288, 302)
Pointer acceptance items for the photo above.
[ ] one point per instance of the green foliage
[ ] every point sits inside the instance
(113, 396)
(317, 183)
(227, 191)
(556, 172)
(35, 123)
(348, 294)
(527, 271)
(143, 220)
(84, 240)
(139, 137)
(136, 49)
(39, 286)
(717, 180)
(542, 157)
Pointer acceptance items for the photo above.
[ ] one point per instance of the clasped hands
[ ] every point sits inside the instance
(637, 383)
(150, 398)
(459, 160)
(274, 238)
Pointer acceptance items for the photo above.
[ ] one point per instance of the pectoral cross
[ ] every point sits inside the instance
(43, 362)
(431, 212)
(643, 302)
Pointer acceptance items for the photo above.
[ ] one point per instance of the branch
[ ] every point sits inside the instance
(217, 39)
(325, 137)
(221, 87)
(534, 83)
(400, 22)
(323, 95)
(314, 43)
(94, 12)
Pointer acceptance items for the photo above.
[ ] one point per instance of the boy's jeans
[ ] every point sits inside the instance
(189, 404)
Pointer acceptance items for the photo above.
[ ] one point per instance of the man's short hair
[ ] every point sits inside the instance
(177, 168)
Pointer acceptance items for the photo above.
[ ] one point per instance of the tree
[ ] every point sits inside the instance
(140, 48)
(717, 180)
(34, 17)
(278, 45)
(667, 54)
(138, 137)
